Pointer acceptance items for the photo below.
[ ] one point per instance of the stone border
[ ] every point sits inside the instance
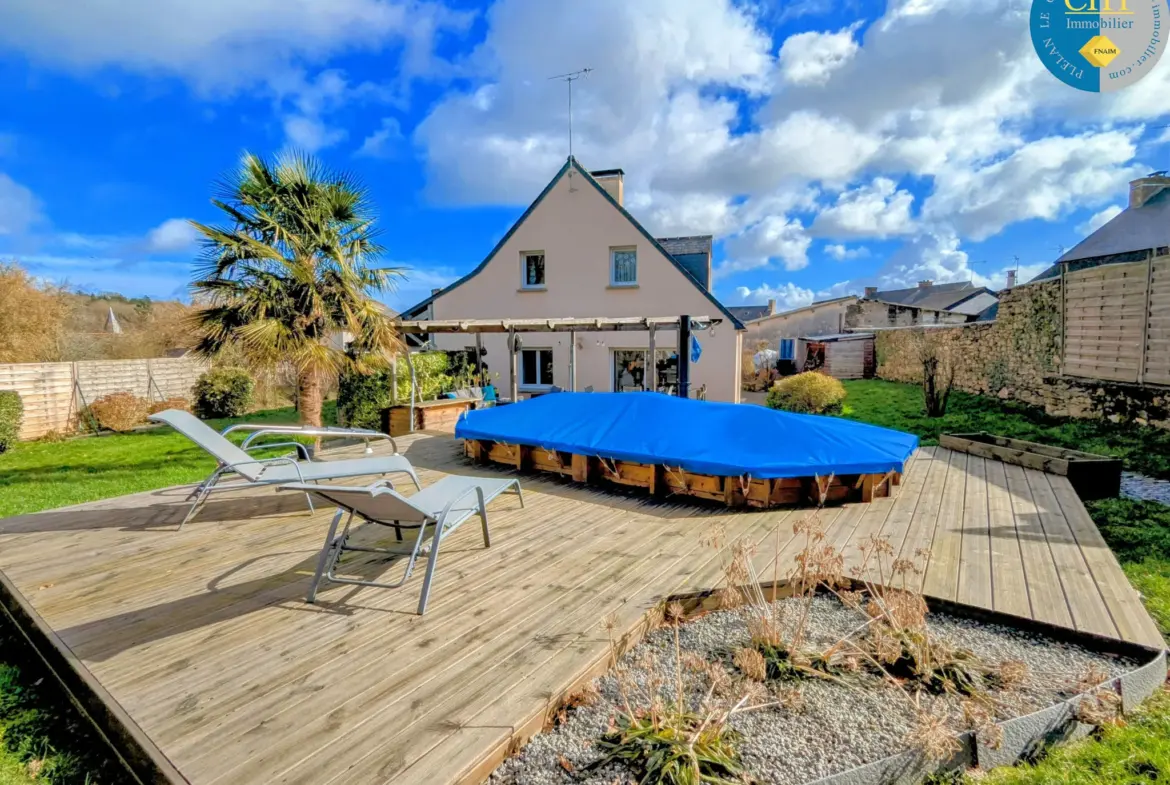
(1023, 736)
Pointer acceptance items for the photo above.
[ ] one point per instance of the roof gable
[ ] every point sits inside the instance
(572, 164)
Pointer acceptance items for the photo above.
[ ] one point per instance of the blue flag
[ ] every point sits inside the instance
(696, 349)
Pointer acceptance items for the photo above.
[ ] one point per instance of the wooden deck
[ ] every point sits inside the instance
(203, 639)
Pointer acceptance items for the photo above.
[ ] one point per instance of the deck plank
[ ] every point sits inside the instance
(1008, 584)
(975, 551)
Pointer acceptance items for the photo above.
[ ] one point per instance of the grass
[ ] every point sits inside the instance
(43, 475)
(1137, 753)
(894, 405)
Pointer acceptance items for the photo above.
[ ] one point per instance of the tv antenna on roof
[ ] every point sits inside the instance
(569, 78)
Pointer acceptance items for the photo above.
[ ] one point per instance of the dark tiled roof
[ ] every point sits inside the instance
(1126, 238)
(700, 243)
(936, 297)
(746, 313)
(1133, 229)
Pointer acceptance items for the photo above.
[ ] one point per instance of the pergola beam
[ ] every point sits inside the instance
(593, 324)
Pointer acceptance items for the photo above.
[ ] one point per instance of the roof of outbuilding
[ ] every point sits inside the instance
(936, 297)
(699, 243)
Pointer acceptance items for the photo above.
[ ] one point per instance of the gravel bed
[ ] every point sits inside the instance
(1139, 486)
(834, 727)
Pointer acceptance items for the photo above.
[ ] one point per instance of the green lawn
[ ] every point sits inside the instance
(42, 475)
(39, 476)
(894, 405)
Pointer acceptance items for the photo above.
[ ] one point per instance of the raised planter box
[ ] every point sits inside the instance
(661, 480)
(438, 415)
(1092, 476)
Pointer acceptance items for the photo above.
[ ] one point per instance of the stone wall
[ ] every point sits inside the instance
(1017, 357)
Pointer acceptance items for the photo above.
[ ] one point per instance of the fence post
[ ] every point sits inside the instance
(1141, 375)
(1063, 320)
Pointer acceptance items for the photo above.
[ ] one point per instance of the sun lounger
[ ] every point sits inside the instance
(434, 512)
(254, 471)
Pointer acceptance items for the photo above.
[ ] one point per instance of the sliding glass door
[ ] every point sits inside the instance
(630, 373)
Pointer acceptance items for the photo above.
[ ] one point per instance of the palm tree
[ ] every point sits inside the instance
(293, 268)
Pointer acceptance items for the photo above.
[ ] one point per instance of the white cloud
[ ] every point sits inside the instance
(842, 253)
(1042, 179)
(383, 142)
(20, 210)
(787, 295)
(879, 209)
(173, 234)
(1099, 219)
(809, 58)
(220, 45)
(775, 237)
(310, 133)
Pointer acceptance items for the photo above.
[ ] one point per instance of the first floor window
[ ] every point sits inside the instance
(536, 367)
(533, 270)
(787, 348)
(624, 266)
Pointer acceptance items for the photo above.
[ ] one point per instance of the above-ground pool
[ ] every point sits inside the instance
(676, 438)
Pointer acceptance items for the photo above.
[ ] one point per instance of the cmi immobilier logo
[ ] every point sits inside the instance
(1099, 45)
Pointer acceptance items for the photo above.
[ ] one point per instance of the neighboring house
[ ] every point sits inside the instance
(1139, 231)
(341, 339)
(576, 252)
(927, 303)
(782, 331)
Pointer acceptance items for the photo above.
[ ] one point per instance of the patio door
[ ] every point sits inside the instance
(629, 373)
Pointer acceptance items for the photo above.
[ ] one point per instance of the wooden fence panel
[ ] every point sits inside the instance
(45, 390)
(1105, 310)
(49, 390)
(1158, 327)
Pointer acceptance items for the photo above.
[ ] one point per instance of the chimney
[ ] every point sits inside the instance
(612, 181)
(771, 307)
(1143, 189)
(870, 291)
(1011, 279)
(925, 284)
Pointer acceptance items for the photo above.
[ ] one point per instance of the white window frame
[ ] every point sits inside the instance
(539, 385)
(532, 287)
(613, 252)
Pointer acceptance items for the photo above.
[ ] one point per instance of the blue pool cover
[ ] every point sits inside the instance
(700, 436)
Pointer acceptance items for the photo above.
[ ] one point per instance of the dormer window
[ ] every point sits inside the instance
(532, 270)
(623, 266)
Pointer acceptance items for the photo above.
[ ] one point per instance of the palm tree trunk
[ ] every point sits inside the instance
(309, 397)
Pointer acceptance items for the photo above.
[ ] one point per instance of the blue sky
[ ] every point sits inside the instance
(827, 145)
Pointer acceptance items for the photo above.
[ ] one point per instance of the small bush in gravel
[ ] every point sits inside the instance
(11, 414)
(811, 392)
(223, 392)
(120, 411)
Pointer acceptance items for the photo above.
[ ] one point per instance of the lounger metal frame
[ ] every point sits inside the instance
(442, 525)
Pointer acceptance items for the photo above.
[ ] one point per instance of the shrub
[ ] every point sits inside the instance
(11, 415)
(177, 402)
(120, 411)
(223, 392)
(362, 396)
(807, 393)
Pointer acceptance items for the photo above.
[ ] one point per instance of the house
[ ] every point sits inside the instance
(782, 331)
(577, 252)
(1140, 231)
(927, 303)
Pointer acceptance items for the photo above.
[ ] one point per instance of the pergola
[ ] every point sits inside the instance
(572, 325)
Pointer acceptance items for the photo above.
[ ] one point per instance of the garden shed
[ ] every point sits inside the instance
(842, 355)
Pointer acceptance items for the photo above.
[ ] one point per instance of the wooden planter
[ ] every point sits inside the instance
(1092, 476)
(440, 415)
(660, 480)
